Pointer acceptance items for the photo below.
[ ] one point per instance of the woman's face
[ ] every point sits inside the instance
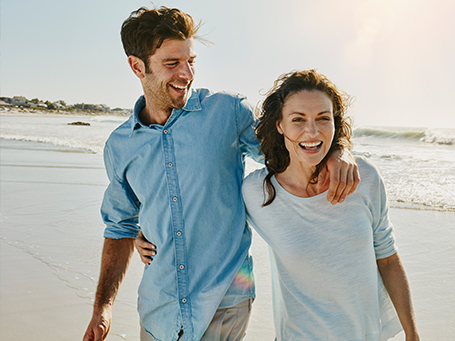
(308, 126)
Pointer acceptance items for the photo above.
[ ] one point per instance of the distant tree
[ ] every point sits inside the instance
(49, 105)
(62, 102)
(34, 100)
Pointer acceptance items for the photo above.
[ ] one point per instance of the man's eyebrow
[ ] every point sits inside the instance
(174, 59)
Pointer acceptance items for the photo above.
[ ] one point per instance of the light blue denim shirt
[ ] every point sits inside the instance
(181, 185)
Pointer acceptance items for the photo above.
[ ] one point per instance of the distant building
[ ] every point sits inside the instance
(123, 111)
(4, 104)
(104, 107)
(58, 105)
(93, 107)
(20, 101)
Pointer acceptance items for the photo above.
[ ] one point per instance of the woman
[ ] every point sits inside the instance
(333, 267)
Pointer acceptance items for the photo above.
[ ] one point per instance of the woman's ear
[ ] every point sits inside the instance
(278, 127)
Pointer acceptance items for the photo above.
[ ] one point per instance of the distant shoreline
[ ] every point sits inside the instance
(15, 111)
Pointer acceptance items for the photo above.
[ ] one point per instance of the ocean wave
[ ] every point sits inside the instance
(384, 133)
(446, 137)
(94, 146)
(434, 136)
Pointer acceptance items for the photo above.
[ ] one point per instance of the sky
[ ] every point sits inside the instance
(395, 57)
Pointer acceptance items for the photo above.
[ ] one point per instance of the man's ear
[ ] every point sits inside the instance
(137, 65)
(278, 127)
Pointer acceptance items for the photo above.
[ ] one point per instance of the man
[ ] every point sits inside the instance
(175, 170)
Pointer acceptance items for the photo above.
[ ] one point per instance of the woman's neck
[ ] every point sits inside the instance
(296, 180)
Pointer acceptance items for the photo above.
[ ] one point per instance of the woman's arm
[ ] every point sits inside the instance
(397, 285)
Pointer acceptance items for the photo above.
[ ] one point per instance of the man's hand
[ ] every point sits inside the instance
(145, 249)
(343, 173)
(99, 326)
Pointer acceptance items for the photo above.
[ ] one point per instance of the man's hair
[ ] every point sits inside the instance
(145, 30)
(272, 142)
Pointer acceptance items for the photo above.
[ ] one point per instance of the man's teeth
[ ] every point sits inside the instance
(179, 87)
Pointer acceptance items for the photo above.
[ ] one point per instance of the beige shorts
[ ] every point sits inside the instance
(228, 324)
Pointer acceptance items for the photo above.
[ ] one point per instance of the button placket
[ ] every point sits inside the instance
(177, 225)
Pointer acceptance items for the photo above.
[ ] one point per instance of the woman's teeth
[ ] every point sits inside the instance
(312, 145)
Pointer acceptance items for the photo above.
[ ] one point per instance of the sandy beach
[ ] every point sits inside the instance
(51, 238)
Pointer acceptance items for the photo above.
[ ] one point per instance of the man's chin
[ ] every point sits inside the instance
(181, 103)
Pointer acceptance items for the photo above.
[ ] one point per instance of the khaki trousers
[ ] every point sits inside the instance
(228, 324)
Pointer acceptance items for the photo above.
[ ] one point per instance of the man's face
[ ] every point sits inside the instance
(170, 74)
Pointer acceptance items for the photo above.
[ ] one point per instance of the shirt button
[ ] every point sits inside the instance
(174, 199)
(165, 131)
(169, 164)
(181, 267)
(184, 300)
(179, 233)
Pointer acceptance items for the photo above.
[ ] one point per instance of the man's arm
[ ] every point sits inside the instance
(114, 264)
(397, 285)
(343, 174)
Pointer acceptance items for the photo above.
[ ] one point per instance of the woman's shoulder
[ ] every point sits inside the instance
(370, 177)
(254, 181)
(256, 176)
(366, 167)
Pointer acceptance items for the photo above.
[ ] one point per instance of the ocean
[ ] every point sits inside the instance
(53, 179)
(417, 164)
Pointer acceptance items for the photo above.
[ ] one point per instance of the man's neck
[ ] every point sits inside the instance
(151, 115)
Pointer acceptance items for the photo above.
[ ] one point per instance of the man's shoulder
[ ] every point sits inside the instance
(121, 132)
(208, 97)
(207, 93)
(221, 103)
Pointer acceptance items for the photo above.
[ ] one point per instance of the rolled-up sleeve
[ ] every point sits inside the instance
(384, 237)
(120, 207)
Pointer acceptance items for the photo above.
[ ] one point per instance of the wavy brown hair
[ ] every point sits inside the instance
(145, 30)
(272, 142)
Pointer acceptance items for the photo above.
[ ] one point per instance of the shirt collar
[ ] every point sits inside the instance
(193, 104)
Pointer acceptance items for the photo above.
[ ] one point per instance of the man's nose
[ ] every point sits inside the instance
(187, 72)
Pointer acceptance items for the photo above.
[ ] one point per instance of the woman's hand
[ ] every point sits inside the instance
(145, 249)
(343, 173)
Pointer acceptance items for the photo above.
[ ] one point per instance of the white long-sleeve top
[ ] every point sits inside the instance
(325, 281)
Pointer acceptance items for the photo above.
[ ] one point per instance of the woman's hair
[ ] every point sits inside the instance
(272, 142)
